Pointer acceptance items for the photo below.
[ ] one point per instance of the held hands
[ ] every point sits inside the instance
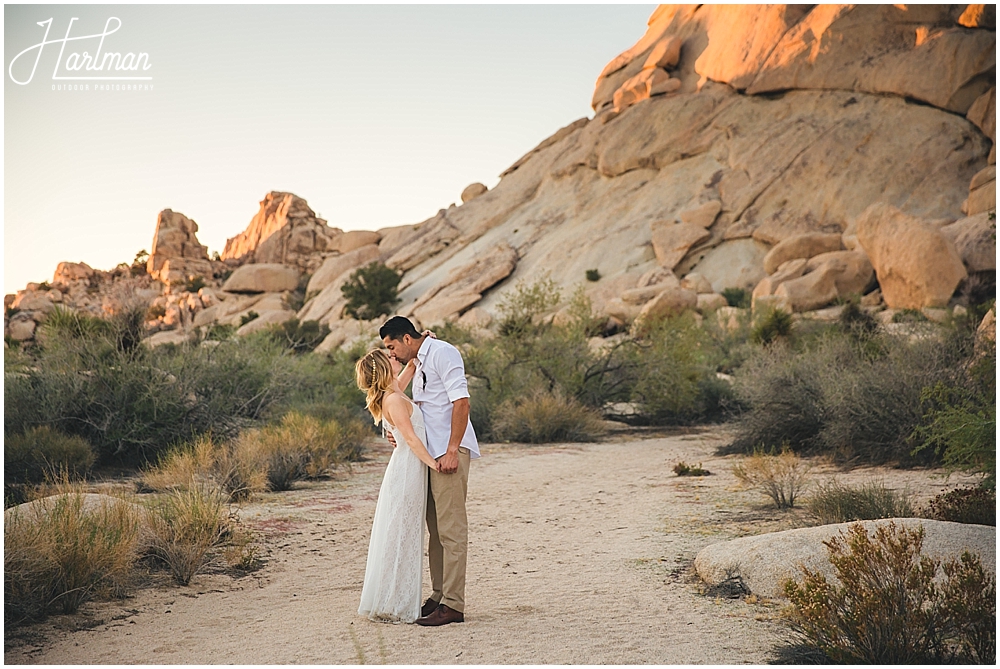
(448, 463)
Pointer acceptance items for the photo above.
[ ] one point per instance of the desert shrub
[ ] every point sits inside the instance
(835, 502)
(684, 469)
(593, 275)
(909, 316)
(671, 370)
(194, 284)
(297, 448)
(187, 523)
(371, 291)
(887, 608)
(131, 403)
(976, 506)
(248, 317)
(521, 309)
(156, 311)
(780, 477)
(546, 417)
(737, 297)
(771, 325)
(299, 337)
(857, 400)
(44, 453)
(959, 419)
(220, 332)
(58, 554)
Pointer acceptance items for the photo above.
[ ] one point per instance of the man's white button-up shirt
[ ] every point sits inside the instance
(440, 380)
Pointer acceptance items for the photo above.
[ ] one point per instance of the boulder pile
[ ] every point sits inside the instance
(803, 153)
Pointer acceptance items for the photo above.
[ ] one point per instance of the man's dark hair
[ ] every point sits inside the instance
(396, 328)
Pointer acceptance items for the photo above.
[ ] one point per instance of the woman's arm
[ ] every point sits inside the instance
(398, 409)
(406, 374)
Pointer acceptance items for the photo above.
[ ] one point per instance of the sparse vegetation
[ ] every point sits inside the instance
(43, 453)
(684, 469)
(546, 417)
(976, 506)
(194, 284)
(835, 502)
(248, 316)
(593, 275)
(887, 608)
(187, 523)
(300, 337)
(770, 326)
(781, 477)
(371, 291)
(737, 297)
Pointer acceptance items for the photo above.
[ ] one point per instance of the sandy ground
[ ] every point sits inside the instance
(579, 554)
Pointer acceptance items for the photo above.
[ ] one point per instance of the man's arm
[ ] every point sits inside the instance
(459, 421)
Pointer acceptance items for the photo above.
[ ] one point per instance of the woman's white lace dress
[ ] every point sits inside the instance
(395, 552)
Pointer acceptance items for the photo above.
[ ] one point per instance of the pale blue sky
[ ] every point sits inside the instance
(377, 115)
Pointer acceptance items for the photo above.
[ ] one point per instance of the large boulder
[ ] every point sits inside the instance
(284, 231)
(354, 240)
(982, 192)
(472, 191)
(21, 327)
(669, 303)
(983, 113)
(334, 266)
(262, 278)
(810, 291)
(736, 263)
(672, 240)
(800, 246)
(852, 271)
(70, 272)
(975, 239)
(766, 561)
(176, 254)
(916, 264)
(789, 270)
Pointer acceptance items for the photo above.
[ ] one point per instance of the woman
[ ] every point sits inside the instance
(391, 592)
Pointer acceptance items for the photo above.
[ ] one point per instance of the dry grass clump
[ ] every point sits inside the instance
(835, 502)
(888, 608)
(59, 552)
(684, 469)
(543, 417)
(269, 458)
(780, 477)
(186, 524)
(43, 453)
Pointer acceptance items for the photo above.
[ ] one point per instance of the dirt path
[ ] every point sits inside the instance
(579, 554)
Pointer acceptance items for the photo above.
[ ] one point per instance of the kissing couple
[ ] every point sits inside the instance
(427, 476)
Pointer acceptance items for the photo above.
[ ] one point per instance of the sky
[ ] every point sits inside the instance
(376, 115)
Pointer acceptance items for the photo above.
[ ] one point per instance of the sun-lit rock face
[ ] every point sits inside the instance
(788, 150)
(285, 230)
(176, 253)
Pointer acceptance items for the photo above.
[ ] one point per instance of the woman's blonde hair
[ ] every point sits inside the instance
(373, 374)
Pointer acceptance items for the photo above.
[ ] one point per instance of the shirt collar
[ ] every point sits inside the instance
(422, 351)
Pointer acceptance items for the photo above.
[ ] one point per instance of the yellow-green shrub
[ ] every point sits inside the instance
(780, 477)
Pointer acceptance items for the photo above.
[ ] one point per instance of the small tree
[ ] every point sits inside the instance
(371, 291)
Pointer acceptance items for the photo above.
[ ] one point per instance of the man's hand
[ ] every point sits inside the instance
(392, 439)
(448, 463)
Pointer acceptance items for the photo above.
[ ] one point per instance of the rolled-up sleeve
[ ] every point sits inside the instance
(450, 367)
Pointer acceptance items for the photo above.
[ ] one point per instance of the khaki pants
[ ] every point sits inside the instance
(449, 529)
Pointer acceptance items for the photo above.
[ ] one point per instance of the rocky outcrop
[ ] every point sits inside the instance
(262, 278)
(334, 266)
(472, 191)
(464, 286)
(975, 240)
(921, 272)
(285, 231)
(176, 255)
(766, 561)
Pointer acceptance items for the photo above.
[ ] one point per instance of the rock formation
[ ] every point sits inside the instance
(285, 230)
(807, 153)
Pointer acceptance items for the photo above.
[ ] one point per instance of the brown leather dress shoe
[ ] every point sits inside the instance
(428, 608)
(442, 615)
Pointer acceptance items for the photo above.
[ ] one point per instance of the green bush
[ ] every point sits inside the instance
(371, 291)
(593, 275)
(857, 400)
(220, 332)
(43, 453)
(959, 419)
(887, 608)
(248, 317)
(771, 325)
(737, 297)
(976, 506)
(543, 417)
(194, 284)
(300, 337)
(89, 378)
(838, 503)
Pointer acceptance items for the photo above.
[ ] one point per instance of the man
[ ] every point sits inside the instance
(441, 391)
